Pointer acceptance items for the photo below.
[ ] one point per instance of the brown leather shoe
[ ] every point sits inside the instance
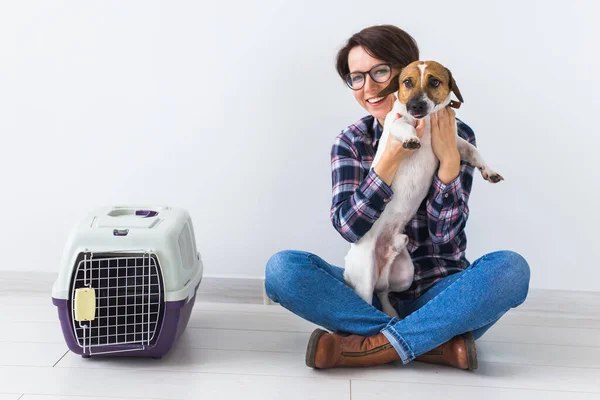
(458, 352)
(327, 350)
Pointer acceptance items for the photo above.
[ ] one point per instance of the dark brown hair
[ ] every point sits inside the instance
(385, 42)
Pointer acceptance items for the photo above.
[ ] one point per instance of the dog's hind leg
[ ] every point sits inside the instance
(359, 273)
(471, 154)
(385, 281)
(386, 304)
(402, 272)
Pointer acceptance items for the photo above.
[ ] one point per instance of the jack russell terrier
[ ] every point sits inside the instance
(379, 262)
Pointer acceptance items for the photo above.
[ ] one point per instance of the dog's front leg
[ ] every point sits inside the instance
(471, 154)
(405, 133)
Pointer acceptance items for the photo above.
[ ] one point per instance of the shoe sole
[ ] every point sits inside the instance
(312, 347)
(471, 351)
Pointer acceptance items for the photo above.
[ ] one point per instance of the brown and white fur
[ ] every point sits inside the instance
(380, 262)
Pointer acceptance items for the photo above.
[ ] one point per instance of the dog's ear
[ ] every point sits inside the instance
(392, 87)
(454, 87)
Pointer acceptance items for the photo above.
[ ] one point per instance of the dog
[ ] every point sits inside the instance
(379, 262)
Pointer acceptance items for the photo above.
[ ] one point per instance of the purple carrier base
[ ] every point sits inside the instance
(175, 320)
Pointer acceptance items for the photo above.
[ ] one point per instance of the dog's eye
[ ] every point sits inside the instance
(434, 82)
(407, 83)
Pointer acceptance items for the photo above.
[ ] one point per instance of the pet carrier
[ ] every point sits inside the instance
(128, 281)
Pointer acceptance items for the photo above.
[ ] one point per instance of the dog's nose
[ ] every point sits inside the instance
(418, 107)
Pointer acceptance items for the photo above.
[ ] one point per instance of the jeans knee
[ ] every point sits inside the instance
(514, 271)
(277, 272)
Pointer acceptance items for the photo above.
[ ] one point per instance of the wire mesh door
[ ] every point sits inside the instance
(129, 301)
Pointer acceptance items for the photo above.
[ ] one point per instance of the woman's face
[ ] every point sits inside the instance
(360, 61)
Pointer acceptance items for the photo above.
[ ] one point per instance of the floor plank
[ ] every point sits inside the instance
(224, 339)
(33, 332)
(535, 354)
(564, 303)
(292, 364)
(167, 385)
(9, 396)
(368, 390)
(31, 354)
(73, 397)
(543, 335)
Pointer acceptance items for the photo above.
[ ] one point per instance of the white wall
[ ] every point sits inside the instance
(237, 105)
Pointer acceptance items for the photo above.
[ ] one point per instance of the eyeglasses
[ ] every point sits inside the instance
(379, 73)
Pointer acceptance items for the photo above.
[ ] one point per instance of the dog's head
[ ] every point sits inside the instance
(424, 87)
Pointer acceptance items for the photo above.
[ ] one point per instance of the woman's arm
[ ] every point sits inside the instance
(359, 200)
(447, 202)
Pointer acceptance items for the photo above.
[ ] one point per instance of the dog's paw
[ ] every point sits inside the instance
(495, 178)
(411, 143)
(390, 311)
(490, 176)
(386, 304)
(400, 242)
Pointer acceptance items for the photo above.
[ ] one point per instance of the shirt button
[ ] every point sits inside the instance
(446, 195)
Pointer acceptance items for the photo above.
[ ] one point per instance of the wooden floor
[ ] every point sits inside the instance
(237, 348)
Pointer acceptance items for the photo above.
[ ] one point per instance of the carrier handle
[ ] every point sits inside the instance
(130, 211)
(146, 213)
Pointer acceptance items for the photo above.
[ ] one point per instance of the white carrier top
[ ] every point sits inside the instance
(166, 232)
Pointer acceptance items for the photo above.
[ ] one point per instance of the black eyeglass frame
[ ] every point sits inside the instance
(364, 75)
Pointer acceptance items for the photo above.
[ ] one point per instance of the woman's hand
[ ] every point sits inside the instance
(443, 142)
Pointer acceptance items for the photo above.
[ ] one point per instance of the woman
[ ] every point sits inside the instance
(451, 302)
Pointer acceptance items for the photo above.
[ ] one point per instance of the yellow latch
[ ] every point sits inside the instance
(85, 304)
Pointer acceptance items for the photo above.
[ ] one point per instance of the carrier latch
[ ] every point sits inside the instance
(85, 304)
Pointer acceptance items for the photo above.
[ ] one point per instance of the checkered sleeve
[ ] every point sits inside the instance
(357, 200)
(447, 204)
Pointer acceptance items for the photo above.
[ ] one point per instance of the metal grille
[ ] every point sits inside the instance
(129, 300)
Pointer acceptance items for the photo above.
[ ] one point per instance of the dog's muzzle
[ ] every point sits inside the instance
(417, 107)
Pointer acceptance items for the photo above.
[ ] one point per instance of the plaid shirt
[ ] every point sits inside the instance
(437, 239)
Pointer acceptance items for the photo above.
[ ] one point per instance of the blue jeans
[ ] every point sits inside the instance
(468, 301)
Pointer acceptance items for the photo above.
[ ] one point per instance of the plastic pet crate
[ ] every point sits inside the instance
(128, 281)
